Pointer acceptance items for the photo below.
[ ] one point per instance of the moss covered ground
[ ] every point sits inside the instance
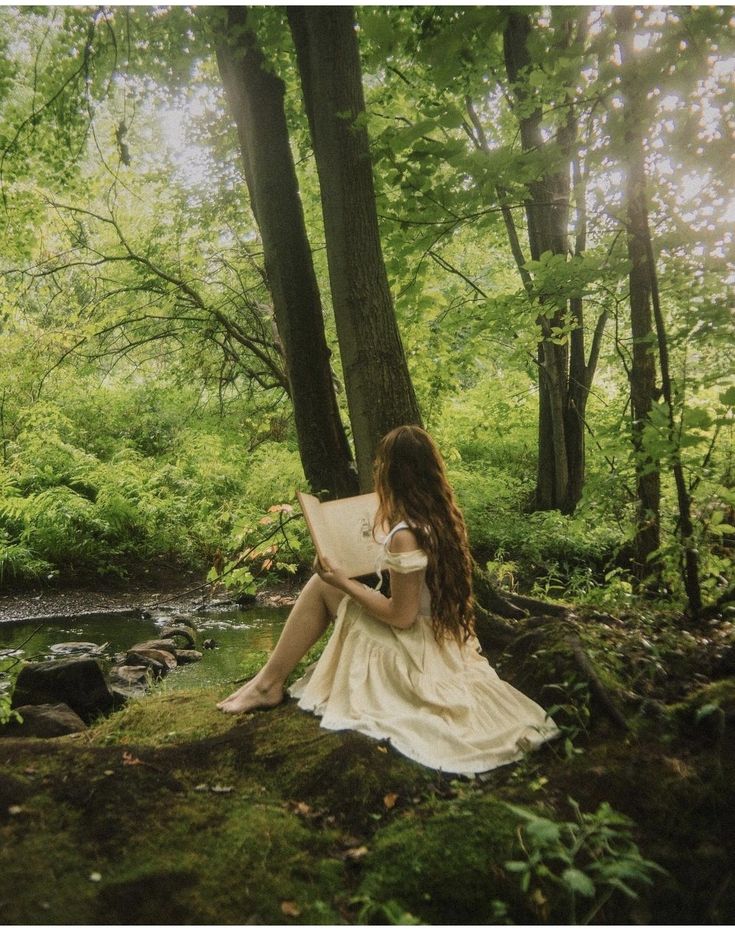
(170, 812)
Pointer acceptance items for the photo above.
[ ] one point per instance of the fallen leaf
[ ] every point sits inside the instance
(129, 759)
(289, 908)
(15, 810)
(303, 809)
(30, 770)
(202, 787)
(95, 877)
(108, 772)
(679, 767)
(389, 801)
(265, 521)
(220, 789)
(356, 854)
(383, 749)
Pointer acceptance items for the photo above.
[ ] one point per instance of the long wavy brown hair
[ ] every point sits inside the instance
(412, 486)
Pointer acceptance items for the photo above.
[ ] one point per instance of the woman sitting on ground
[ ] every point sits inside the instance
(406, 667)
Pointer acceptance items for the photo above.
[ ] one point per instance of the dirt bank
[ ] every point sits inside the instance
(192, 595)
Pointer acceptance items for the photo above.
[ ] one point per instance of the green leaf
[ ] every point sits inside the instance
(704, 711)
(578, 882)
(544, 830)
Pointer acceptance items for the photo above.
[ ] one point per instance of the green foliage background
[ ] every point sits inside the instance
(136, 432)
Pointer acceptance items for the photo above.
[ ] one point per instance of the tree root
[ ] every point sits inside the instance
(492, 631)
(602, 694)
(536, 607)
(510, 605)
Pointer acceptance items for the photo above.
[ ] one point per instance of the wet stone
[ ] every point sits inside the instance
(131, 675)
(188, 655)
(180, 632)
(44, 721)
(78, 682)
(157, 661)
(164, 645)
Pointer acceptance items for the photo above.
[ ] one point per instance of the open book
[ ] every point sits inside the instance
(342, 531)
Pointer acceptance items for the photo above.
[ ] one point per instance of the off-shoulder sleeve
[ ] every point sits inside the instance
(405, 562)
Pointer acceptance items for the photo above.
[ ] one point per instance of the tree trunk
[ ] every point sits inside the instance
(547, 213)
(685, 528)
(379, 391)
(256, 99)
(642, 372)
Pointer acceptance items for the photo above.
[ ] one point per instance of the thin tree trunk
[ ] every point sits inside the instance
(580, 377)
(379, 391)
(643, 367)
(690, 572)
(256, 99)
(547, 210)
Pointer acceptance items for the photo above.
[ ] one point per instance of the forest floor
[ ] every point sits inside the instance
(171, 812)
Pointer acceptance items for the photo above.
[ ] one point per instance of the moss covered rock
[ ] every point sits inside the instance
(445, 863)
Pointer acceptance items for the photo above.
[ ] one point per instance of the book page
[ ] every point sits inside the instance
(342, 531)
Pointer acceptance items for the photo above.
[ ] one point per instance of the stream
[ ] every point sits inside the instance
(235, 633)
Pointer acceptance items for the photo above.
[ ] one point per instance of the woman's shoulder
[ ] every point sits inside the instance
(403, 551)
(403, 538)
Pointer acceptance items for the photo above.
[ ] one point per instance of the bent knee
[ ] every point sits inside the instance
(316, 585)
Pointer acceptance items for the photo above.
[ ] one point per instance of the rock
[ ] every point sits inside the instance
(164, 645)
(209, 643)
(77, 648)
(185, 621)
(130, 675)
(188, 655)
(44, 721)
(181, 632)
(78, 682)
(130, 682)
(124, 695)
(157, 659)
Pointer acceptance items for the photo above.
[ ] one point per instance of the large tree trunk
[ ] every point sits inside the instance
(565, 376)
(642, 373)
(256, 99)
(377, 383)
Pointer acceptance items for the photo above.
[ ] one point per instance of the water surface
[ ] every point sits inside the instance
(236, 633)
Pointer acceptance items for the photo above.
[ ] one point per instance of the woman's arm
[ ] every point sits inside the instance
(401, 608)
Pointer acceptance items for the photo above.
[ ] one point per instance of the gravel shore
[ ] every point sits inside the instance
(32, 604)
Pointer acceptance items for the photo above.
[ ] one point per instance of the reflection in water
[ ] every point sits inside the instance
(236, 633)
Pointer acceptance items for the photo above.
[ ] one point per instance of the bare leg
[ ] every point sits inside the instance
(311, 614)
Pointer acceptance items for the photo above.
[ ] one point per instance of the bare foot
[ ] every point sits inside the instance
(252, 696)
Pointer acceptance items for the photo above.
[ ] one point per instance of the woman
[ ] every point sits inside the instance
(404, 667)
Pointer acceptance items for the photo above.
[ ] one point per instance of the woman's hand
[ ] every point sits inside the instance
(331, 574)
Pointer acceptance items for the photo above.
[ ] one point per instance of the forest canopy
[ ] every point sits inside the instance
(240, 244)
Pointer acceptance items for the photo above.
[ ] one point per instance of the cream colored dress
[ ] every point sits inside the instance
(440, 704)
